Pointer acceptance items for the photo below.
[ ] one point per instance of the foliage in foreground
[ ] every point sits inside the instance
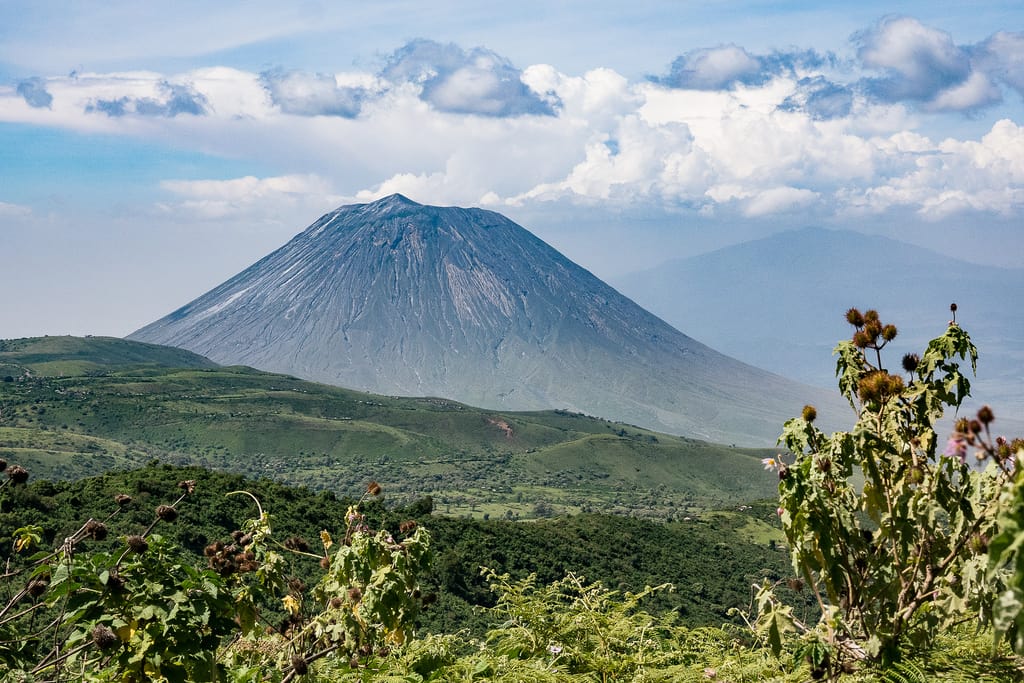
(912, 555)
(890, 534)
(743, 545)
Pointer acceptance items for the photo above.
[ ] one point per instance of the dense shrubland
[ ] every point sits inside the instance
(905, 566)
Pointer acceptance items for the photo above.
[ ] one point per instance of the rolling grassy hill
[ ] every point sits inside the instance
(76, 407)
(56, 356)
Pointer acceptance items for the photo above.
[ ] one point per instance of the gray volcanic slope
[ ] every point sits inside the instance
(395, 297)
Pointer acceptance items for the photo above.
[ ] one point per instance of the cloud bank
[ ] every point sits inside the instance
(723, 132)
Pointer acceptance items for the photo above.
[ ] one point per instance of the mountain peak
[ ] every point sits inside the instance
(401, 298)
(392, 201)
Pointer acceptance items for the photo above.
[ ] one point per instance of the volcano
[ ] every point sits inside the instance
(400, 298)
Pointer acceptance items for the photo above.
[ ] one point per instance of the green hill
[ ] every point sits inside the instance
(57, 356)
(77, 407)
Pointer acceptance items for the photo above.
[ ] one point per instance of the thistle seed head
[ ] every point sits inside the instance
(37, 587)
(861, 339)
(103, 637)
(138, 544)
(167, 513)
(97, 531)
(911, 361)
(17, 474)
(297, 543)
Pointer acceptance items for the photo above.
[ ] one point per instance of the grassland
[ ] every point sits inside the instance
(74, 407)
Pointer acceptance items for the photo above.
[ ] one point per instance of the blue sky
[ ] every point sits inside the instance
(150, 151)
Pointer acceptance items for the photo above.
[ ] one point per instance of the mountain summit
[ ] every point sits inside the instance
(396, 297)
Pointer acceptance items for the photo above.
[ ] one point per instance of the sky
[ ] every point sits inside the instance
(149, 151)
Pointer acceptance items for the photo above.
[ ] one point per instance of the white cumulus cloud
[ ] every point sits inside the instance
(448, 125)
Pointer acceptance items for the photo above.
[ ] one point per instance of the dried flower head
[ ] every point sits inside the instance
(167, 513)
(911, 361)
(373, 488)
(17, 474)
(37, 587)
(861, 339)
(122, 499)
(408, 526)
(810, 413)
(96, 530)
(854, 317)
(879, 386)
(889, 333)
(103, 637)
(297, 543)
(137, 543)
(985, 415)
(299, 665)
(3, 464)
(189, 485)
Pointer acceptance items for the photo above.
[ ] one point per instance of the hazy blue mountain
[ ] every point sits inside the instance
(400, 298)
(778, 303)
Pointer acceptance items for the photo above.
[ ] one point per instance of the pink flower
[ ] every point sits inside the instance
(956, 447)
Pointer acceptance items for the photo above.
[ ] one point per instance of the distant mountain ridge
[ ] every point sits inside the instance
(401, 298)
(778, 302)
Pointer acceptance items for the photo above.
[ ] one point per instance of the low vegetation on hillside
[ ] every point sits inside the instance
(66, 420)
(905, 565)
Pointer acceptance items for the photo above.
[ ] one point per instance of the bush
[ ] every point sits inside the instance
(889, 533)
